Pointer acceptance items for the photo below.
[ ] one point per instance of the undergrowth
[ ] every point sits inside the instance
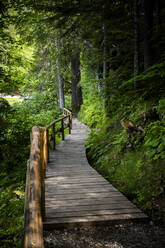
(134, 164)
(16, 122)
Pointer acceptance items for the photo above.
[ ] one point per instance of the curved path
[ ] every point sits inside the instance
(76, 193)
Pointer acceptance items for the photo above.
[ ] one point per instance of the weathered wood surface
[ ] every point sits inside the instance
(75, 192)
(33, 213)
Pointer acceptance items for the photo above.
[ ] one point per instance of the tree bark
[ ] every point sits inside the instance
(60, 88)
(136, 40)
(98, 81)
(105, 54)
(106, 92)
(76, 89)
(148, 27)
(158, 13)
(61, 98)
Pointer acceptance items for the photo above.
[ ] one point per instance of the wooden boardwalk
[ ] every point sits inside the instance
(76, 193)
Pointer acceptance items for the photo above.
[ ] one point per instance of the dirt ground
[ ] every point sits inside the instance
(130, 235)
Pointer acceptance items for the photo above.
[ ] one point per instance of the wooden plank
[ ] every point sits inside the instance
(81, 202)
(76, 184)
(87, 196)
(80, 169)
(73, 177)
(68, 180)
(95, 218)
(79, 191)
(68, 174)
(65, 165)
(74, 180)
(112, 206)
(72, 189)
(54, 214)
(71, 168)
(80, 186)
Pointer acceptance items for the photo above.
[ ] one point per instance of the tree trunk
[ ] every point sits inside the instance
(76, 89)
(158, 14)
(61, 98)
(136, 40)
(60, 88)
(148, 26)
(106, 91)
(105, 54)
(98, 81)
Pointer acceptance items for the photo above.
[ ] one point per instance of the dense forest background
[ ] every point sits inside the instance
(104, 60)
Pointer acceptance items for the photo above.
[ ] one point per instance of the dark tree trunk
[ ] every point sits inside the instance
(158, 13)
(76, 89)
(61, 98)
(61, 91)
(99, 79)
(105, 54)
(105, 92)
(136, 40)
(148, 26)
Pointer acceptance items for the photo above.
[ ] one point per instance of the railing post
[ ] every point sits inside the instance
(27, 196)
(42, 172)
(62, 129)
(47, 138)
(45, 150)
(53, 137)
(70, 125)
(71, 121)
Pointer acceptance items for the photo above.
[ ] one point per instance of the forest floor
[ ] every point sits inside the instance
(130, 235)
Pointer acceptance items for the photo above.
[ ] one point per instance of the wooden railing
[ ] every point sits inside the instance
(41, 137)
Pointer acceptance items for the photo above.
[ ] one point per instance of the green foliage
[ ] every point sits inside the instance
(93, 114)
(4, 106)
(135, 165)
(15, 60)
(92, 111)
(155, 141)
(15, 128)
(161, 108)
(11, 217)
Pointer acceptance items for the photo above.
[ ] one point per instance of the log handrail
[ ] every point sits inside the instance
(34, 211)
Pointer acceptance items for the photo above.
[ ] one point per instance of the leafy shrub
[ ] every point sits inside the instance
(14, 150)
(135, 165)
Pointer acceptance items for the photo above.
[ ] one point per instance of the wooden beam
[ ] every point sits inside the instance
(53, 137)
(70, 124)
(33, 219)
(47, 138)
(62, 129)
